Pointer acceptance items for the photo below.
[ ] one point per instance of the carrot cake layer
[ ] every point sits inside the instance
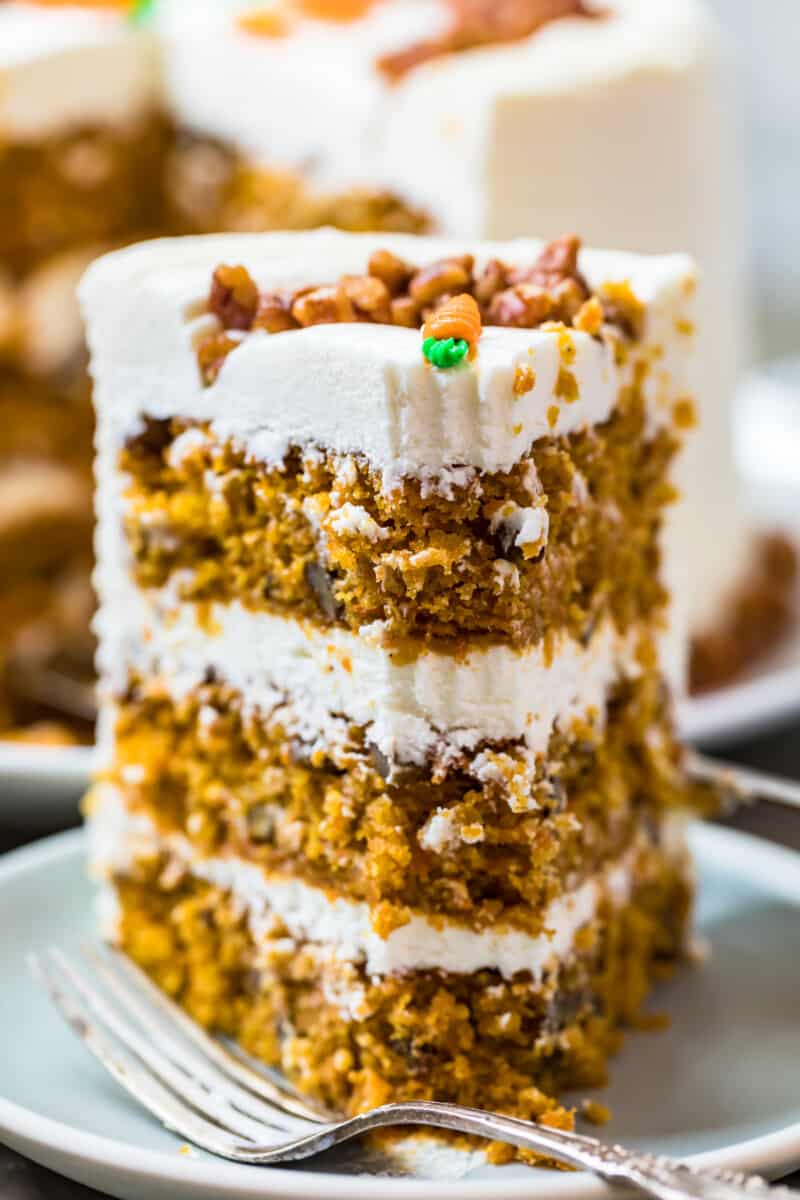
(487, 836)
(356, 1019)
(508, 556)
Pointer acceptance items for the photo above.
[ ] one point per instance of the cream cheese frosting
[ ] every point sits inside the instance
(344, 928)
(411, 710)
(363, 388)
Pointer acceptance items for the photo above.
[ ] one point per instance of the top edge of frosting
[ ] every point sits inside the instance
(363, 388)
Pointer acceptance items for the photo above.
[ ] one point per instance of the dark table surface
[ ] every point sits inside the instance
(778, 752)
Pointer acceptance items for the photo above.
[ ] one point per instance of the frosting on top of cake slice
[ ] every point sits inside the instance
(368, 387)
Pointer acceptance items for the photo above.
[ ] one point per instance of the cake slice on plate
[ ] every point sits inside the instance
(390, 791)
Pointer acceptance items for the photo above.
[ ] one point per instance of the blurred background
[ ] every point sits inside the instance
(765, 45)
(764, 49)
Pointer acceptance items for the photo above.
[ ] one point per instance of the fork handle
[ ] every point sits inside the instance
(742, 784)
(664, 1178)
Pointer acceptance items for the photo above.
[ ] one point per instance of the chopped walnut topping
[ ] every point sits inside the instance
(323, 306)
(212, 352)
(393, 292)
(492, 279)
(234, 297)
(556, 264)
(442, 278)
(274, 313)
(405, 312)
(369, 297)
(523, 306)
(391, 270)
(483, 23)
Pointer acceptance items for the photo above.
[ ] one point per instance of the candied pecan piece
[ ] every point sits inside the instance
(391, 270)
(492, 279)
(274, 313)
(557, 262)
(323, 306)
(523, 306)
(369, 297)
(211, 354)
(233, 297)
(448, 275)
(405, 312)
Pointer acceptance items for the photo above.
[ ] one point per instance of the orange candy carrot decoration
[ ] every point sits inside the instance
(459, 319)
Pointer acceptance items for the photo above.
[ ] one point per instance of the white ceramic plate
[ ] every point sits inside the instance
(723, 1083)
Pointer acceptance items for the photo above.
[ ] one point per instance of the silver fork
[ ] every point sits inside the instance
(210, 1095)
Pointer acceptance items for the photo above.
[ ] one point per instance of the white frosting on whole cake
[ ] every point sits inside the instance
(343, 928)
(61, 68)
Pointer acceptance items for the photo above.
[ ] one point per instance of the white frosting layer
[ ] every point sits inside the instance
(410, 708)
(64, 67)
(343, 927)
(362, 388)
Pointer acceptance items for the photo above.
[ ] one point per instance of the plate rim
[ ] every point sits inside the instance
(40, 1137)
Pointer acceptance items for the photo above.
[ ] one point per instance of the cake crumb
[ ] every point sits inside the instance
(595, 1113)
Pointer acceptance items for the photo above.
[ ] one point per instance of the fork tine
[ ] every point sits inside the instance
(284, 1098)
(184, 1056)
(130, 1075)
(207, 1102)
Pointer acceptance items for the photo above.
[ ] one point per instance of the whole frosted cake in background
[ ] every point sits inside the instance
(389, 786)
(469, 117)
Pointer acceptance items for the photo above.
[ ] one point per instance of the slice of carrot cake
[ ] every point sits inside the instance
(390, 791)
(390, 787)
